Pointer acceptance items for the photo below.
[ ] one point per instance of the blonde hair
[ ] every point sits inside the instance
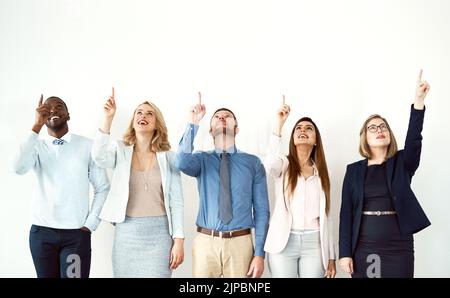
(364, 148)
(160, 139)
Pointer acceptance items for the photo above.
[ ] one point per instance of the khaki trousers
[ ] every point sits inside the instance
(221, 257)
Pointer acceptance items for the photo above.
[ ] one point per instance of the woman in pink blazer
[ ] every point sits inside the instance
(299, 242)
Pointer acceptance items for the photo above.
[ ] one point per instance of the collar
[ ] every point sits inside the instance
(315, 171)
(230, 150)
(66, 138)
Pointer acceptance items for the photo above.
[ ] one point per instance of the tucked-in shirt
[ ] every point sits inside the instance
(146, 202)
(305, 203)
(249, 198)
(63, 173)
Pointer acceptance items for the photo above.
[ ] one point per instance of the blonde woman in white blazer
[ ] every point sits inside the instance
(145, 201)
(299, 241)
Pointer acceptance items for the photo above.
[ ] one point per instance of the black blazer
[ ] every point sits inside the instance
(400, 170)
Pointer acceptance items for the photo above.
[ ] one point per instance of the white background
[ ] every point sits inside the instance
(336, 61)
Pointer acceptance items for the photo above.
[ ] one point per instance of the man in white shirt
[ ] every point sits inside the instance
(60, 235)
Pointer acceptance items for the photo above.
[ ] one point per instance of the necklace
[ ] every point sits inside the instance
(144, 177)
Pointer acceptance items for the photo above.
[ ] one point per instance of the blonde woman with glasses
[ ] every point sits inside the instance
(379, 211)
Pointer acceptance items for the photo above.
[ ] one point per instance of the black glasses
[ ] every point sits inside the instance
(374, 128)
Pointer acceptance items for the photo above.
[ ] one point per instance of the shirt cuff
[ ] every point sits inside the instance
(103, 135)
(92, 222)
(260, 253)
(416, 110)
(192, 127)
(178, 234)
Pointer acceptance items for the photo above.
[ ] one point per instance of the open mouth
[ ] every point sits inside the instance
(54, 118)
(142, 122)
(303, 136)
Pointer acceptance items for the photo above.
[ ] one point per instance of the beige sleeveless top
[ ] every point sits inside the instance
(146, 195)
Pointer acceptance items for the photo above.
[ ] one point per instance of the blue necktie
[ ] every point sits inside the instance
(58, 142)
(225, 211)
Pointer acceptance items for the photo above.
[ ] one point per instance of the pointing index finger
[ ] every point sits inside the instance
(419, 78)
(284, 100)
(199, 98)
(113, 93)
(41, 100)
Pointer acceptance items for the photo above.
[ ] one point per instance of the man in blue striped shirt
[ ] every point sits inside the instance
(233, 200)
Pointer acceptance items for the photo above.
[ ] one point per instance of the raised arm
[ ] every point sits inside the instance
(413, 142)
(186, 161)
(274, 162)
(26, 158)
(104, 151)
(422, 88)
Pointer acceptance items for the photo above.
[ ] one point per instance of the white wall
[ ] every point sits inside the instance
(336, 61)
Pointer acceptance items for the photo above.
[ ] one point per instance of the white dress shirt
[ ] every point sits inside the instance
(63, 173)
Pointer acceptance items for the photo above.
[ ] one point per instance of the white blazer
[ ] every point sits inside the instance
(117, 156)
(281, 221)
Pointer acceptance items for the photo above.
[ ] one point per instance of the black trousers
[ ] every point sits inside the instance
(60, 253)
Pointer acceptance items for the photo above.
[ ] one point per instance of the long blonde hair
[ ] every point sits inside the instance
(364, 148)
(160, 139)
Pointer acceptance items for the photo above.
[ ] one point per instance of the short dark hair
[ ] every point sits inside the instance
(56, 97)
(224, 109)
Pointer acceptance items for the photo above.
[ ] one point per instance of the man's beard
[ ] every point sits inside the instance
(56, 127)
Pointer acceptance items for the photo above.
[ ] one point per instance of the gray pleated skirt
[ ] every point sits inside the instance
(142, 247)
